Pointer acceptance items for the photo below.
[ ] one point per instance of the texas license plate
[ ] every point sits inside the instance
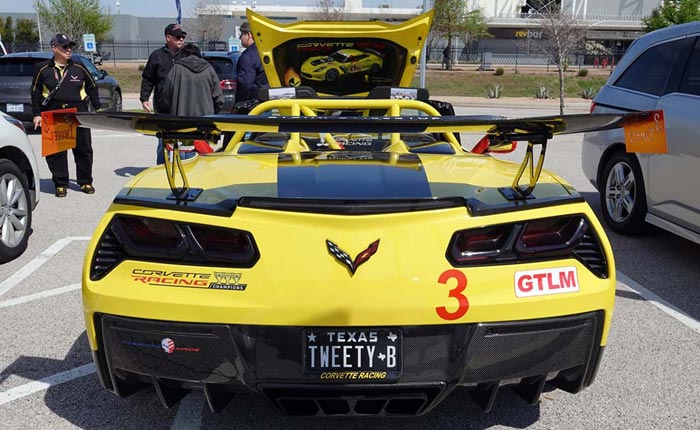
(352, 355)
(15, 107)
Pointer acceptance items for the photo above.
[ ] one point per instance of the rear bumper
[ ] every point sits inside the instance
(268, 360)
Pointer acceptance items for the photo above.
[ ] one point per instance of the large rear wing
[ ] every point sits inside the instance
(296, 116)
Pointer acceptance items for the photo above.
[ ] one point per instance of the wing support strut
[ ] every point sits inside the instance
(173, 165)
(517, 191)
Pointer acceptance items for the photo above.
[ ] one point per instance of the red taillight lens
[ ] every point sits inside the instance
(551, 235)
(592, 107)
(480, 244)
(159, 239)
(150, 236)
(227, 84)
(223, 244)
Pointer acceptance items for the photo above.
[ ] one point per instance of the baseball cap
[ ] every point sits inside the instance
(175, 30)
(59, 39)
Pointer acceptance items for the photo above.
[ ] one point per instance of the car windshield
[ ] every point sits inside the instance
(18, 66)
(340, 57)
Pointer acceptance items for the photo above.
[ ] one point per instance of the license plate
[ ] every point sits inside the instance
(15, 107)
(352, 355)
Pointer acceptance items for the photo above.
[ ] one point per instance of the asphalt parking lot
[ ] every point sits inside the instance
(648, 378)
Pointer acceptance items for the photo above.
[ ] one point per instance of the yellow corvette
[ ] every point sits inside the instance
(340, 63)
(345, 256)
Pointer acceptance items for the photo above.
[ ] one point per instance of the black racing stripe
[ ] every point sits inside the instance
(352, 180)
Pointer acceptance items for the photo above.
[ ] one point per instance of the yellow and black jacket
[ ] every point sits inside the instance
(75, 89)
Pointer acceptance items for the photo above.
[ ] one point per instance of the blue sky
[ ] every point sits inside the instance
(165, 8)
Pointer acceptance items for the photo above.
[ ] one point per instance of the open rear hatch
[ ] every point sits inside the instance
(346, 58)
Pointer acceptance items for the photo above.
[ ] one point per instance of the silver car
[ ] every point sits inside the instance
(660, 71)
(19, 187)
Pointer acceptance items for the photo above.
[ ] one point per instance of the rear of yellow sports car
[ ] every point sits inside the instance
(353, 261)
(360, 285)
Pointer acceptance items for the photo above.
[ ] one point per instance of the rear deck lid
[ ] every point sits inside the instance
(340, 58)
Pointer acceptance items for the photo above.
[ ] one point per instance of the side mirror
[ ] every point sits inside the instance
(103, 73)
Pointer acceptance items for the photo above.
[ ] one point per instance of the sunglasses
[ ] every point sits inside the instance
(177, 37)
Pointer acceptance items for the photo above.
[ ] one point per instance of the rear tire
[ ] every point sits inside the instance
(622, 194)
(15, 211)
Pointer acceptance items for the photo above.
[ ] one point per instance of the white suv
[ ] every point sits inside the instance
(19, 187)
(660, 71)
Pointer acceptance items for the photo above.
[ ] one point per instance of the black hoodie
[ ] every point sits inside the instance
(192, 88)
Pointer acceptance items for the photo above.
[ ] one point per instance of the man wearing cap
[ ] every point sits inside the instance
(60, 83)
(157, 68)
(251, 75)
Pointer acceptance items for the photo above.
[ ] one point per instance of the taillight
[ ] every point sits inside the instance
(227, 84)
(540, 239)
(149, 237)
(154, 239)
(480, 244)
(224, 244)
(551, 236)
(592, 107)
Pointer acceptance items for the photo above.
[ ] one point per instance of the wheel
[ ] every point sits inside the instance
(117, 102)
(15, 211)
(332, 75)
(374, 69)
(622, 196)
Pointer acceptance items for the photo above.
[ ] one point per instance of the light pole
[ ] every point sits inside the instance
(423, 55)
(38, 25)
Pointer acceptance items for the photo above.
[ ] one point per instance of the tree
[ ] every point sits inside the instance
(74, 18)
(9, 36)
(209, 24)
(562, 35)
(325, 10)
(672, 12)
(26, 32)
(453, 20)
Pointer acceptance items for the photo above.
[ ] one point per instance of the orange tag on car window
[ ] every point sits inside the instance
(647, 135)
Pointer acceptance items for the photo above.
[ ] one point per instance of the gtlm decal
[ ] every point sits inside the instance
(344, 258)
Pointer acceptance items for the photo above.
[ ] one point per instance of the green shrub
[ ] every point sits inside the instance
(495, 91)
(583, 73)
(141, 67)
(588, 93)
(499, 71)
(542, 92)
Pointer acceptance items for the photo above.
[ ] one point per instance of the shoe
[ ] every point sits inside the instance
(87, 189)
(61, 191)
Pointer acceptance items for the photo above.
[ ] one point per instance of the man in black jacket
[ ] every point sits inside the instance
(157, 68)
(251, 75)
(60, 83)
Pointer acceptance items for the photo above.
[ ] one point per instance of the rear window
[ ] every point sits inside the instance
(18, 66)
(223, 67)
(651, 71)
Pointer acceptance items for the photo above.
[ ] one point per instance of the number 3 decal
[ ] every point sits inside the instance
(456, 293)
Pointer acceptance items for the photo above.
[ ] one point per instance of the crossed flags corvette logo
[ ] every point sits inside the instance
(344, 257)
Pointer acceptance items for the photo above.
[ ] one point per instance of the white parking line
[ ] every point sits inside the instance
(37, 262)
(37, 296)
(34, 387)
(657, 301)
